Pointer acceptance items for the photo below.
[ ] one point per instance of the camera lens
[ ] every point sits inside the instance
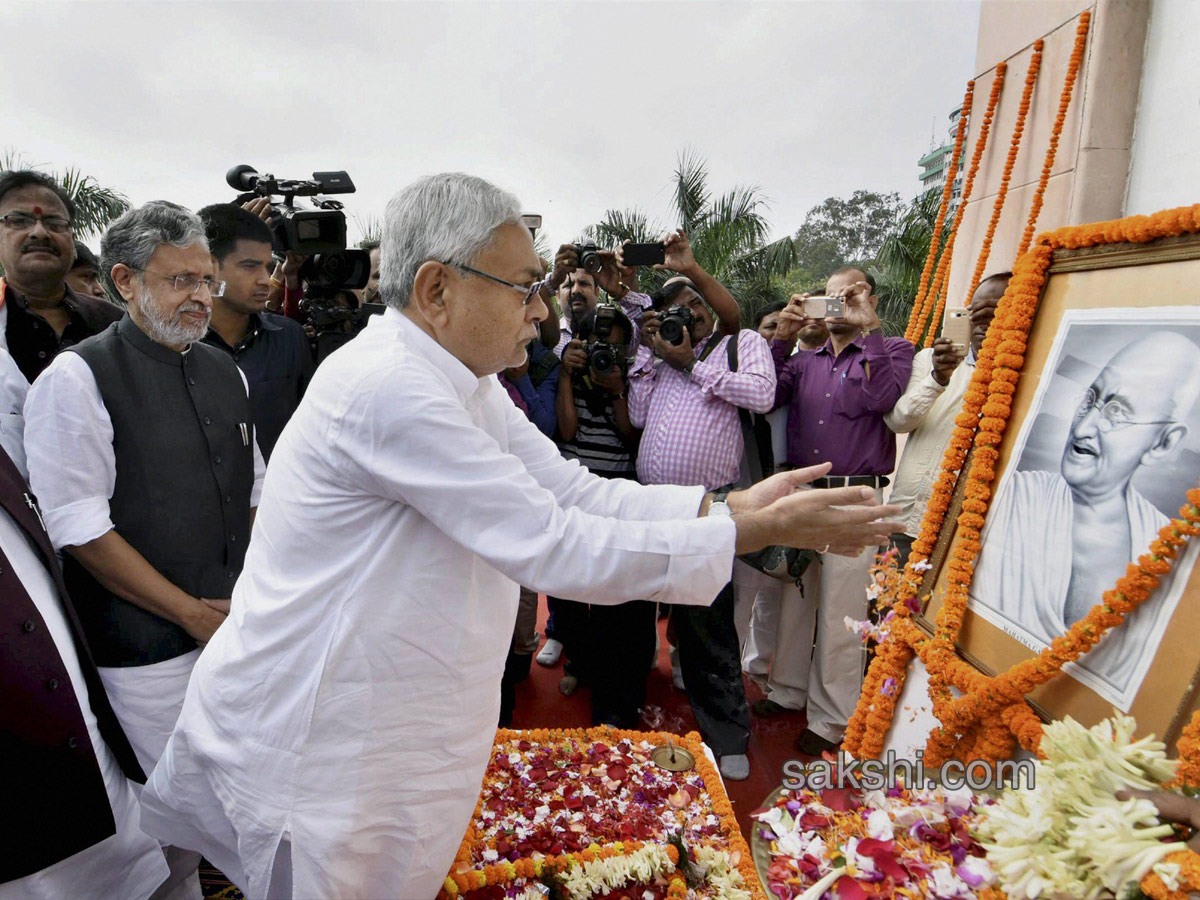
(602, 360)
(671, 330)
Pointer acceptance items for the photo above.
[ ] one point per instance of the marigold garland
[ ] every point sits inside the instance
(993, 711)
(923, 317)
(947, 192)
(464, 878)
(1035, 64)
(1064, 102)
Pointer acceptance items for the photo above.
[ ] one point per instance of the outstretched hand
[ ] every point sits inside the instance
(780, 510)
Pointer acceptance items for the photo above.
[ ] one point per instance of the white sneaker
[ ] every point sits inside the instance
(550, 653)
(735, 767)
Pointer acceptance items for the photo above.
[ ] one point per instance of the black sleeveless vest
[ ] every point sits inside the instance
(182, 495)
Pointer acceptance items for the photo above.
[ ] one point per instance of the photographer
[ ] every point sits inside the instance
(580, 271)
(609, 648)
(271, 351)
(687, 401)
(837, 398)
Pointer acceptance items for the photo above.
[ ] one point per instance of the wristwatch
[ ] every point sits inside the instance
(718, 506)
(686, 369)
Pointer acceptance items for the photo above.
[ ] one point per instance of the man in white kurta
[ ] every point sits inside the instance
(337, 727)
(1055, 541)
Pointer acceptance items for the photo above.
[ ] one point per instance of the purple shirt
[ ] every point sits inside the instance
(835, 411)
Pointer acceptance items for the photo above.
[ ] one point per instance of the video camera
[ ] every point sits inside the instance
(674, 322)
(319, 234)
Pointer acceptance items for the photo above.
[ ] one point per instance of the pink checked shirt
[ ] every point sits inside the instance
(692, 431)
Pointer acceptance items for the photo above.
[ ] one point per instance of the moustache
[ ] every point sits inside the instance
(38, 245)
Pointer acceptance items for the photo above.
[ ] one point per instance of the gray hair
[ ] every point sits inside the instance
(447, 218)
(134, 237)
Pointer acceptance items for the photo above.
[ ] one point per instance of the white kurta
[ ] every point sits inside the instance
(349, 702)
(1024, 571)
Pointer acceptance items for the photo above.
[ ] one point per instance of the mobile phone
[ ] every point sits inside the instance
(824, 307)
(958, 327)
(644, 254)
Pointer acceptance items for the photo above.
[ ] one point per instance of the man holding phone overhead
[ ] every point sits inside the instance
(837, 397)
(932, 399)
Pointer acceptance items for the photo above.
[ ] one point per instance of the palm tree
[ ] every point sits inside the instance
(902, 258)
(95, 205)
(728, 234)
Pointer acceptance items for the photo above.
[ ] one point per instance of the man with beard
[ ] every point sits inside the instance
(144, 460)
(272, 351)
(39, 313)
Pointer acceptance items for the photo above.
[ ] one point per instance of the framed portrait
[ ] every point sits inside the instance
(1102, 444)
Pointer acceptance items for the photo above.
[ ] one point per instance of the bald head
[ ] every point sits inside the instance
(1133, 414)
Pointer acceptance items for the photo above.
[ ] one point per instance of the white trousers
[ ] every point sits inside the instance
(757, 603)
(818, 661)
(147, 701)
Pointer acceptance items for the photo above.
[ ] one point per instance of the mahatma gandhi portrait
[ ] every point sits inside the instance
(1063, 528)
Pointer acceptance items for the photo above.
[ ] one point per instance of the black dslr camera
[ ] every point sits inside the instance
(589, 257)
(674, 322)
(319, 234)
(603, 355)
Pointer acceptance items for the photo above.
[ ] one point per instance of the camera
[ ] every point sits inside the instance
(589, 257)
(674, 322)
(333, 319)
(319, 234)
(824, 307)
(603, 355)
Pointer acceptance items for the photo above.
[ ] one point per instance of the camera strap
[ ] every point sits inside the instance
(756, 433)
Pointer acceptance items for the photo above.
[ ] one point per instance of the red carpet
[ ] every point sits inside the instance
(540, 705)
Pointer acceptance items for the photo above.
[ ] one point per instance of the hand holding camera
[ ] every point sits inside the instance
(859, 309)
(574, 358)
(612, 381)
(946, 357)
(676, 355)
(792, 318)
(678, 253)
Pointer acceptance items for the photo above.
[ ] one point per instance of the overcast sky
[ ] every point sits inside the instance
(576, 108)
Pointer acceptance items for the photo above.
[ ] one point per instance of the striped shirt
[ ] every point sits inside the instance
(597, 443)
(693, 432)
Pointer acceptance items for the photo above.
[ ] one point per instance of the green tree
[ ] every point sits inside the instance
(843, 231)
(95, 205)
(728, 232)
(901, 259)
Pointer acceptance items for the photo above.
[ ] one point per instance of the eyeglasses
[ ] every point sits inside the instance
(1111, 416)
(529, 290)
(188, 283)
(19, 221)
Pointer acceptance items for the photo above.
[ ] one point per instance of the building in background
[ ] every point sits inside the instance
(936, 163)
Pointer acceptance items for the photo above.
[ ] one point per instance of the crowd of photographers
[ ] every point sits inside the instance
(661, 386)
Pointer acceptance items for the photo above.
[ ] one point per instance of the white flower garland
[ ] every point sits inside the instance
(585, 880)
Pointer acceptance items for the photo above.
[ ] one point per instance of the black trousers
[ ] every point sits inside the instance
(610, 649)
(710, 659)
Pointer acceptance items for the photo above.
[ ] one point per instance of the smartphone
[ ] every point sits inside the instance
(958, 327)
(644, 254)
(824, 307)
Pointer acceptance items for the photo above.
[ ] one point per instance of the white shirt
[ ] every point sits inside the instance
(926, 412)
(13, 389)
(69, 435)
(349, 702)
(129, 863)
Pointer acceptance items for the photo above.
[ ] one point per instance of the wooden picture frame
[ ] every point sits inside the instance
(1155, 286)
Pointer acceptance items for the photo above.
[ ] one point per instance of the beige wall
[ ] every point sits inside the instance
(1088, 179)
